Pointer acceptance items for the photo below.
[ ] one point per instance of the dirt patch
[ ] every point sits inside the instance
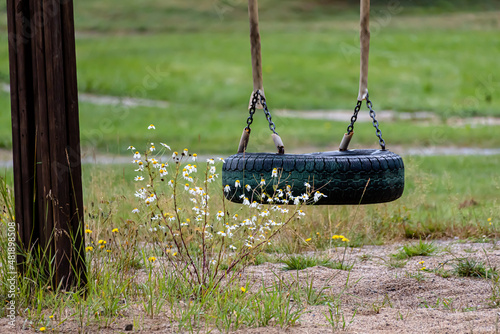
(384, 299)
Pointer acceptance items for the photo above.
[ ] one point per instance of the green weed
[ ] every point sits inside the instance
(469, 267)
(422, 248)
(299, 262)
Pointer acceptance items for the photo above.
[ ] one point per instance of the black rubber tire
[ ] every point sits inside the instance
(341, 176)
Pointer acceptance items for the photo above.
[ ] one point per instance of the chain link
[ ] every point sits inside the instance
(354, 117)
(375, 123)
(251, 111)
(255, 99)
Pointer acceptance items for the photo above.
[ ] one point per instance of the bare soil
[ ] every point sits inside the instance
(385, 299)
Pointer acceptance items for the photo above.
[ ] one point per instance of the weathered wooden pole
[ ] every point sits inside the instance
(46, 136)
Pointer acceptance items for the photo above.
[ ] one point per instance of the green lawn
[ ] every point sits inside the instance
(436, 202)
(198, 59)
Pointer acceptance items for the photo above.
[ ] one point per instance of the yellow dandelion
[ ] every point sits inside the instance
(42, 329)
(421, 262)
(114, 230)
(243, 289)
(152, 259)
(88, 231)
(89, 248)
(308, 239)
(344, 239)
(423, 268)
(489, 219)
(102, 242)
(51, 317)
(174, 254)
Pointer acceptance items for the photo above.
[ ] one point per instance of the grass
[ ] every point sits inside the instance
(395, 262)
(429, 209)
(112, 130)
(300, 262)
(419, 61)
(436, 186)
(422, 248)
(193, 55)
(470, 267)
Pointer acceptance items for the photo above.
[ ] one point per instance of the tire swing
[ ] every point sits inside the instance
(345, 176)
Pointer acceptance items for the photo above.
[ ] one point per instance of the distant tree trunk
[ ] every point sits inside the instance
(46, 136)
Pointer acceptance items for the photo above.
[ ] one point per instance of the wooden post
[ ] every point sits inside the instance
(45, 135)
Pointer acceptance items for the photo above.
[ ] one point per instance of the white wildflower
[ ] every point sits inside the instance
(141, 193)
(317, 196)
(264, 213)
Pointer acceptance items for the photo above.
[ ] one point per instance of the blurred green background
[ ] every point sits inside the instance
(434, 56)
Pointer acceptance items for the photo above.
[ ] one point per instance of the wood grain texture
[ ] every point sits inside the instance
(253, 14)
(364, 36)
(46, 143)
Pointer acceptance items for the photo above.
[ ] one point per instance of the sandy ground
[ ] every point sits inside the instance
(385, 299)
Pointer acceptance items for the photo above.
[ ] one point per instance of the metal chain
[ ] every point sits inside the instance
(251, 111)
(354, 117)
(375, 123)
(256, 96)
(272, 126)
